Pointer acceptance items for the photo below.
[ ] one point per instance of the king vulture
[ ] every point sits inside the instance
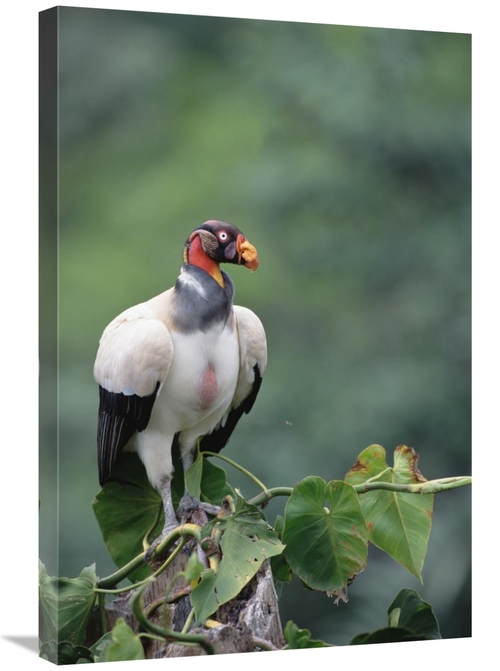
(187, 364)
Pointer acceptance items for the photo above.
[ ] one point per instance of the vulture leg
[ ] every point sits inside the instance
(171, 521)
(168, 507)
(188, 504)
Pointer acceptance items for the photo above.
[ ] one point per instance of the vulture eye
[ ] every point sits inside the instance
(223, 236)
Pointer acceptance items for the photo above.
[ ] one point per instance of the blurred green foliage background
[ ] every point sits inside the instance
(344, 155)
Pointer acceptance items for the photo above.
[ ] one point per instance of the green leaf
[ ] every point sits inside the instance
(65, 653)
(126, 645)
(207, 482)
(193, 476)
(66, 605)
(409, 611)
(214, 486)
(42, 571)
(279, 565)
(387, 635)
(279, 525)
(48, 651)
(300, 638)
(410, 619)
(193, 569)
(126, 509)
(203, 596)
(281, 569)
(398, 523)
(100, 647)
(247, 540)
(325, 546)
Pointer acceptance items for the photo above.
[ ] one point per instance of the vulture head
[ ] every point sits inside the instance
(217, 242)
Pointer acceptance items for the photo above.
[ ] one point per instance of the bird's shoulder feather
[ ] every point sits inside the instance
(136, 349)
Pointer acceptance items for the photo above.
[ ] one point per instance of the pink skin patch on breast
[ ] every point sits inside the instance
(207, 391)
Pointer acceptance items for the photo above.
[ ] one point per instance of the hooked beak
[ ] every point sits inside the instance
(247, 254)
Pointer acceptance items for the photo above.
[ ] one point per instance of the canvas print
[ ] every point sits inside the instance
(255, 423)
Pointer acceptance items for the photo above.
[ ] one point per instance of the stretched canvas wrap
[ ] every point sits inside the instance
(183, 153)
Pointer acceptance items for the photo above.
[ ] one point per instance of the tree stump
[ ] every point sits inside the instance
(248, 623)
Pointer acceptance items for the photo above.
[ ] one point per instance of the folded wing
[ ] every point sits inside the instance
(132, 363)
(253, 362)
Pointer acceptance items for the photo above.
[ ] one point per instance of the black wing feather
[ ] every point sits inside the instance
(215, 441)
(120, 416)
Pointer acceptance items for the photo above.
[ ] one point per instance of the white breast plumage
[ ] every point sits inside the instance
(201, 382)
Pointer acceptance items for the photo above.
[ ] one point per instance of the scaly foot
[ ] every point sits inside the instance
(190, 504)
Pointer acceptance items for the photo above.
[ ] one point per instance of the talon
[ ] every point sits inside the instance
(190, 506)
(210, 508)
(187, 504)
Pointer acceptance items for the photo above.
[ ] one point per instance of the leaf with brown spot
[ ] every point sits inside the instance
(398, 523)
(247, 540)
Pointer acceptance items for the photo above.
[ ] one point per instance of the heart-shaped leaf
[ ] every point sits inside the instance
(410, 619)
(398, 522)
(325, 534)
(408, 610)
(66, 605)
(126, 509)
